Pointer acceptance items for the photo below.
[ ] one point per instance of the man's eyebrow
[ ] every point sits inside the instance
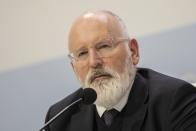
(80, 49)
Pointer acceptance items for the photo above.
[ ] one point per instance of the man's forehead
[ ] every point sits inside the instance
(83, 40)
(88, 26)
(91, 26)
(90, 22)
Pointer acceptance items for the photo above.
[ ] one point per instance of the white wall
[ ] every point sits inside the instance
(33, 31)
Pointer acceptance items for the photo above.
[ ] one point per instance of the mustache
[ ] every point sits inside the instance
(93, 74)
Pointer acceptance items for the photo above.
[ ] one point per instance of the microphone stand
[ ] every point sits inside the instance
(57, 115)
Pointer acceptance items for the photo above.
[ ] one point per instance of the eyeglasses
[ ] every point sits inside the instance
(103, 49)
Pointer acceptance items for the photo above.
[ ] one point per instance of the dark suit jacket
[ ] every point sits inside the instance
(156, 103)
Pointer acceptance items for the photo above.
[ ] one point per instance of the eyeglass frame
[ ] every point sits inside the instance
(114, 44)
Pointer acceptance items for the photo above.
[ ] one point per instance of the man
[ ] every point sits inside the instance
(104, 58)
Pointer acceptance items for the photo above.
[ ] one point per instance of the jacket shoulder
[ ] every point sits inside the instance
(171, 101)
(160, 82)
(57, 107)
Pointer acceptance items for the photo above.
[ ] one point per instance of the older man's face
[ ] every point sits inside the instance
(101, 72)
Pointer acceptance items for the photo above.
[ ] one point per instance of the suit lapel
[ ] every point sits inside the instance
(84, 119)
(135, 110)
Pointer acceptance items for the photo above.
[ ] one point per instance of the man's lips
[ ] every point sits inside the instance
(100, 76)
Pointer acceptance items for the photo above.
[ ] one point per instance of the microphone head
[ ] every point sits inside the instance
(89, 96)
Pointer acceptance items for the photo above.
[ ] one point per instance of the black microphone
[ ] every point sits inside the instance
(87, 96)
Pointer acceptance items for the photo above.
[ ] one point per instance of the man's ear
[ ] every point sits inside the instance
(134, 48)
(72, 67)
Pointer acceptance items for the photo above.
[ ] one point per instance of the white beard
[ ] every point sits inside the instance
(110, 91)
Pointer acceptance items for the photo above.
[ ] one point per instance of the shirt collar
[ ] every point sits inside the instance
(119, 106)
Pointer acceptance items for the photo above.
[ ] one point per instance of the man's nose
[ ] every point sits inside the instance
(94, 59)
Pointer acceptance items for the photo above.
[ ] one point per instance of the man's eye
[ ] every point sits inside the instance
(83, 53)
(104, 46)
